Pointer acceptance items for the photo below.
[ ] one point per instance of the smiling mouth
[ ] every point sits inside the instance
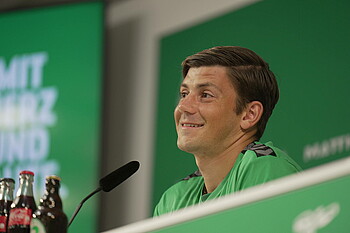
(192, 125)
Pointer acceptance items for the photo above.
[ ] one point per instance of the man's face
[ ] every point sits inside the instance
(206, 122)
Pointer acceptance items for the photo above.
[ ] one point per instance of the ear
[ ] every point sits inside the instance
(251, 115)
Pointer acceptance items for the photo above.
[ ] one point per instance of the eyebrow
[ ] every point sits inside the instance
(201, 85)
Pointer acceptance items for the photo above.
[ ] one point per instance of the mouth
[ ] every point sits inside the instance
(191, 125)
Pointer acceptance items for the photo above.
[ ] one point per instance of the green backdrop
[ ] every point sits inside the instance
(50, 80)
(307, 46)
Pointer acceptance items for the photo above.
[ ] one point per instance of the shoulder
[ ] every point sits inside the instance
(262, 162)
(260, 149)
(181, 194)
(266, 155)
(193, 175)
(186, 183)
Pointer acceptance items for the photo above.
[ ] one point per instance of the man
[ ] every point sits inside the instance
(227, 96)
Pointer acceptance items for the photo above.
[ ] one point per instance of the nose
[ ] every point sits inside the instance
(187, 104)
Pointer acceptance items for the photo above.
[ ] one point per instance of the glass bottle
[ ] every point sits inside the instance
(7, 186)
(23, 206)
(49, 217)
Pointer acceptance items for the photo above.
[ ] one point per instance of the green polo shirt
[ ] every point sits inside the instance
(256, 164)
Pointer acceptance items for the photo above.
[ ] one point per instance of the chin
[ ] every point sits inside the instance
(187, 147)
(181, 146)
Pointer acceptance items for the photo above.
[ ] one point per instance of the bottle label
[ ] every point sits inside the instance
(3, 221)
(20, 216)
(36, 226)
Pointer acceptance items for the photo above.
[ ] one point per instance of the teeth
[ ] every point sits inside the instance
(191, 125)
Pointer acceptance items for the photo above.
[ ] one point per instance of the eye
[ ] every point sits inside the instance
(206, 95)
(183, 94)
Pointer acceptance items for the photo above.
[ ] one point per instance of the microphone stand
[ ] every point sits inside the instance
(109, 182)
(81, 204)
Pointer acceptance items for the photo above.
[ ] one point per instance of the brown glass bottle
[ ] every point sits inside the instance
(23, 206)
(49, 217)
(6, 198)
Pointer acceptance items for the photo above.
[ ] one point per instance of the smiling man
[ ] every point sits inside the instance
(227, 96)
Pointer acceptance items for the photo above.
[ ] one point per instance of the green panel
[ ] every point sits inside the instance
(300, 211)
(59, 116)
(306, 45)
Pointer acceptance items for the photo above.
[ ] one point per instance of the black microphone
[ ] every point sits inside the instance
(109, 182)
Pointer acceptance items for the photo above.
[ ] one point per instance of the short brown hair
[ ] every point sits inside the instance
(250, 75)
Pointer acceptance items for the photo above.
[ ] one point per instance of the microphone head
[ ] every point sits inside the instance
(118, 176)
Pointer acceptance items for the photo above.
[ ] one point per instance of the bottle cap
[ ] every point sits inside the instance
(53, 177)
(27, 172)
(7, 180)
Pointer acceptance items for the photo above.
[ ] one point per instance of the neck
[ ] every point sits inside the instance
(215, 167)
